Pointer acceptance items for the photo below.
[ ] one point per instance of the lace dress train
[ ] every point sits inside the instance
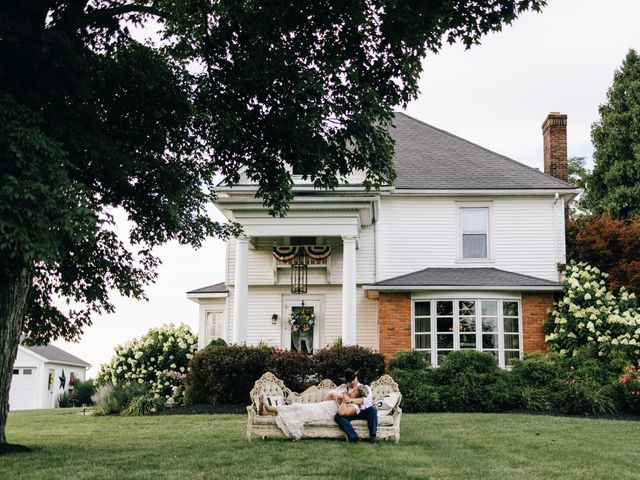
(291, 418)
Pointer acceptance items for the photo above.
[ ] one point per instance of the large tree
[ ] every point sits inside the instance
(92, 119)
(613, 188)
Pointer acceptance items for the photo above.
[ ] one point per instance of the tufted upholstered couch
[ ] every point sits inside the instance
(265, 425)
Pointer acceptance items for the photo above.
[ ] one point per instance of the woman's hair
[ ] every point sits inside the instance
(361, 391)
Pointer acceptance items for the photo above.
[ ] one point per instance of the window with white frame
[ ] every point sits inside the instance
(213, 326)
(474, 230)
(487, 325)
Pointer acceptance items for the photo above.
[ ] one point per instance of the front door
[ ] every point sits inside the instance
(301, 325)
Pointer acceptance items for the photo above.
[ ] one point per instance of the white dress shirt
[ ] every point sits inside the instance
(367, 401)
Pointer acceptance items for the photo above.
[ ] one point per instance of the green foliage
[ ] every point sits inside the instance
(419, 392)
(217, 342)
(142, 405)
(225, 374)
(471, 381)
(408, 360)
(159, 360)
(613, 188)
(113, 399)
(82, 392)
(295, 368)
(539, 381)
(590, 315)
(332, 361)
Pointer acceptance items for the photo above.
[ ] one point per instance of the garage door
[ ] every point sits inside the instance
(22, 395)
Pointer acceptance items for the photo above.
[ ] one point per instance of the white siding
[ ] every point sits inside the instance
(267, 300)
(417, 233)
(260, 263)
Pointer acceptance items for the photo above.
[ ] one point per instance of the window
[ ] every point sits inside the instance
(27, 371)
(474, 229)
(487, 325)
(213, 326)
(16, 371)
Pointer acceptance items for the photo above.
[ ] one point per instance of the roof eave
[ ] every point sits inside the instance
(519, 288)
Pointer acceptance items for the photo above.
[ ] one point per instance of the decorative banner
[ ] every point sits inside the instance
(318, 252)
(285, 253)
(51, 378)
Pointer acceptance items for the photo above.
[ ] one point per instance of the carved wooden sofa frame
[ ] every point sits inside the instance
(265, 426)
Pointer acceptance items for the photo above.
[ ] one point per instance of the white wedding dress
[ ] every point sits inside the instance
(291, 418)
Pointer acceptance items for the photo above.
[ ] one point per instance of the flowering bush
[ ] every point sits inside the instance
(630, 382)
(588, 314)
(159, 361)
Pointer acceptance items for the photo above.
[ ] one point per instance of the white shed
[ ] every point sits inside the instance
(41, 374)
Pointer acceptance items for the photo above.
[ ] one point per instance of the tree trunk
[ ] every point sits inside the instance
(13, 299)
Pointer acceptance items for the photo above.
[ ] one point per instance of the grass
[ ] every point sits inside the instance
(433, 446)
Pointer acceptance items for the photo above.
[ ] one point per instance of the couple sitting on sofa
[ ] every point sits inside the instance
(349, 401)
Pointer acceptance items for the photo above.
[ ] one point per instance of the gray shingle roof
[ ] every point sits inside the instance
(465, 277)
(429, 158)
(217, 288)
(55, 354)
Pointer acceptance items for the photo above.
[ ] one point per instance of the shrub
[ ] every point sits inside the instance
(143, 405)
(538, 380)
(111, 399)
(590, 315)
(152, 361)
(590, 385)
(332, 361)
(225, 374)
(408, 360)
(82, 392)
(216, 342)
(419, 394)
(630, 384)
(471, 381)
(296, 369)
(65, 401)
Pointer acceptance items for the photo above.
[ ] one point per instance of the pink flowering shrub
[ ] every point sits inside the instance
(630, 381)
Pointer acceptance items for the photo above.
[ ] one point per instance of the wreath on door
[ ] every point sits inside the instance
(302, 320)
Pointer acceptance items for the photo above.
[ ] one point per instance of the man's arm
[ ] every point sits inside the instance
(335, 393)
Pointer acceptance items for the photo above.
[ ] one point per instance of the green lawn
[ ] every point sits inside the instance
(433, 446)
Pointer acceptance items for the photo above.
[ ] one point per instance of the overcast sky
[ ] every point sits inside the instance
(497, 95)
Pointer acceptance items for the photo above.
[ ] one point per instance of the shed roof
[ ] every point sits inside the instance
(54, 354)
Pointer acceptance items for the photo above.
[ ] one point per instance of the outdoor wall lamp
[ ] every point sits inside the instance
(274, 318)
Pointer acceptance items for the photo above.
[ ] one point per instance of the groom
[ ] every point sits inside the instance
(366, 410)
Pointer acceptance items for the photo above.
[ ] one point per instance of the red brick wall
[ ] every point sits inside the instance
(535, 310)
(394, 323)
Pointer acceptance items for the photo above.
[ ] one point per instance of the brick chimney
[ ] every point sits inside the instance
(554, 133)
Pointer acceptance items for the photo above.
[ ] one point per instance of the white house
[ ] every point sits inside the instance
(462, 251)
(41, 374)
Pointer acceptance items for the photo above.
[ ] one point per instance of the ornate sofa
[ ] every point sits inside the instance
(386, 396)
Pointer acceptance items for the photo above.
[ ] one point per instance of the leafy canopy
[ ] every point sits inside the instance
(613, 188)
(92, 119)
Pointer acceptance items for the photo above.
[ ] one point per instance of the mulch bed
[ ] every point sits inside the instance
(203, 409)
(6, 448)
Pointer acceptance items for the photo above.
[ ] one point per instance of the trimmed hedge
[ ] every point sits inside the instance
(226, 374)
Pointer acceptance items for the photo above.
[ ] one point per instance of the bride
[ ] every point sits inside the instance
(291, 418)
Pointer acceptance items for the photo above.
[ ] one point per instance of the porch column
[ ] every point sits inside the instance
(349, 291)
(241, 291)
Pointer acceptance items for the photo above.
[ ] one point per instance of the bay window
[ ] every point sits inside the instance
(441, 326)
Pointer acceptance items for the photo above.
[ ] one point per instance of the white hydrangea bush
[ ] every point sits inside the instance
(588, 314)
(160, 360)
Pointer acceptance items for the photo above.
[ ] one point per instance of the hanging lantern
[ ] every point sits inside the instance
(299, 276)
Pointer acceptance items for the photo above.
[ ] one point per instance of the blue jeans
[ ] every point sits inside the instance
(369, 414)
